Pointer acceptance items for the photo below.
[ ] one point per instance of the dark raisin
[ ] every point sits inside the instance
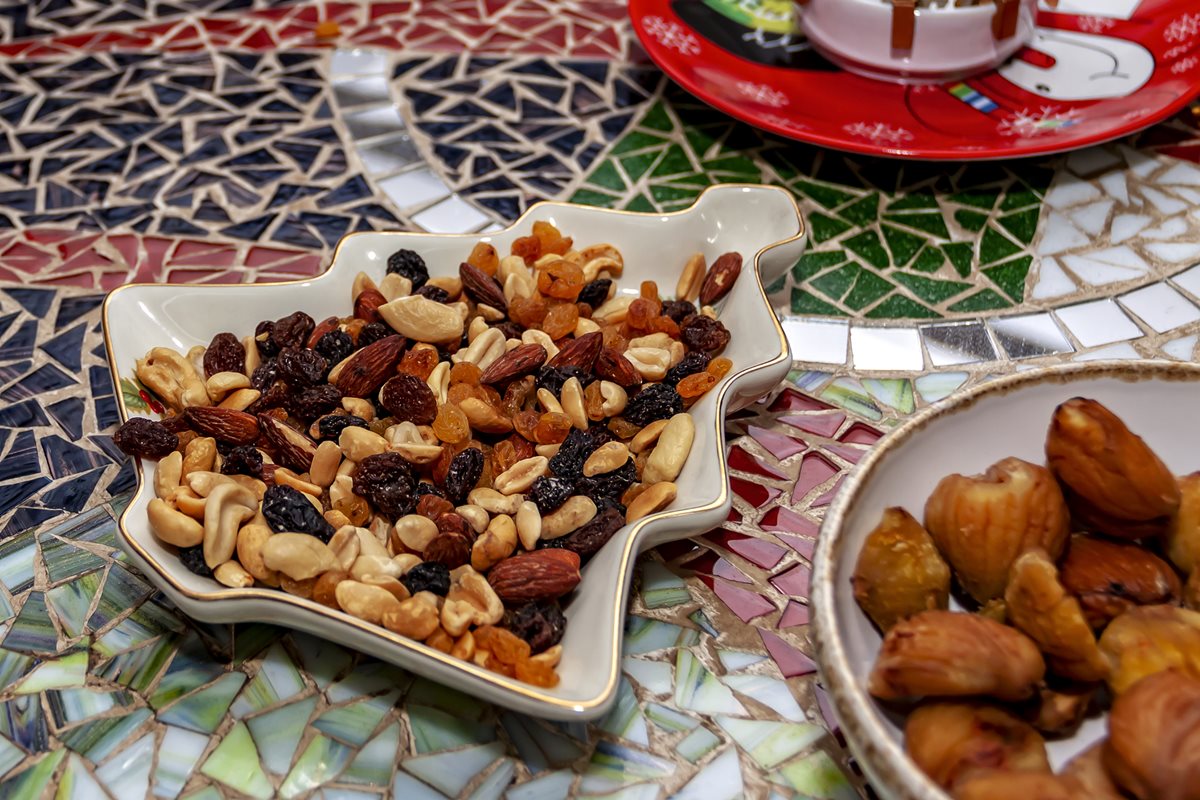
(145, 438)
(699, 332)
(386, 480)
(435, 293)
(568, 461)
(372, 332)
(287, 509)
(243, 460)
(425, 487)
(224, 354)
(609, 484)
(539, 624)
(274, 396)
(691, 363)
(176, 424)
(600, 434)
(293, 330)
(595, 294)
(464, 472)
(262, 336)
(330, 427)
(428, 576)
(308, 404)
(264, 375)
(550, 492)
(587, 540)
(335, 346)
(193, 559)
(653, 402)
(408, 398)
(410, 265)
(610, 502)
(510, 329)
(553, 378)
(678, 310)
(301, 367)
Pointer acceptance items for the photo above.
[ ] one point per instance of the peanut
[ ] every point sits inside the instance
(672, 450)
(299, 588)
(439, 381)
(250, 540)
(475, 516)
(692, 278)
(575, 513)
(358, 443)
(416, 617)
(325, 464)
(549, 402)
(298, 555)
(651, 362)
(199, 455)
(645, 438)
(529, 524)
(495, 544)
(241, 399)
(606, 458)
(346, 546)
(572, 403)
(521, 475)
(324, 591)
(615, 398)
(415, 532)
(493, 502)
(221, 384)
(654, 498)
(359, 407)
(233, 575)
(614, 311)
(368, 603)
(452, 285)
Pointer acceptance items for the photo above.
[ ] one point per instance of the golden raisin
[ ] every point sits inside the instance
(485, 258)
(381, 424)
(719, 367)
(592, 401)
(461, 391)
(552, 428)
(551, 239)
(505, 454)
(560, 320)
(451, 424)
(649, 290)
(516, 395)
(419, 363)
(440, 640)
(465, 372)
(354, 327)
(695, 385)
(506, 646)
(614, 337)
(528, 248)
(490, 395)
(664, 324)
(356, 509)
(641, 311)
(536, 673)
(528, 311)
(526, 423)
(623, 428)
(562, 279)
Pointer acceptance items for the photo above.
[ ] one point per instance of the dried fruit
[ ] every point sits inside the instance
(225, 353)
(243, 460)
(550, 492)
(448, 549)
(954, 742)
(528, 248)
(699, 332)
(1060, 712)
(432, 505)
(587, 540)
(288, 510)
(314, 401)
(949, 654)
(552, 379)
(613, 366)
(387, 481)
(1150, 639)
(1003, 785)
(463, 474)
(692, 363)
(560, 279)
(428, 577)
(1111, 470)
(484, 258)
(983, 523)
(293, 448)
(539, 575)
(693, 386)
(1154, 736)
(300, 367)
(482, 287)
(1089, 777)
(655, 401)
(1111, 577)
(899, 571)
(292, 331)
(521, 360)
(330, 427)
(193, 559)
(1183, 533)
(540, 624)
(368, 368)
(408, 398)
(721, 277)
(596, 292)
(223, 424)
(145, 438)
(560, 320)
(418, 362)
(550, 238)
(435, 293)
(451, 424)
(371, 333)
(408, 264)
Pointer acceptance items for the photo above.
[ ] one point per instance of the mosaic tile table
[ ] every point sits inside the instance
(216, 140)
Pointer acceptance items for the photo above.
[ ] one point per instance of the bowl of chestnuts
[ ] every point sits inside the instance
(1007, 592)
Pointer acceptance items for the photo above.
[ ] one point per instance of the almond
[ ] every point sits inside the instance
(581, 352)
(295, 450)
(366, 305)
(615, 367)
(366, 370)
(1154, 735)
(519, 361)
(1109, 578)
(540, 575)
(481, 287)
(223, 424)
(720, 278)
(323, 327)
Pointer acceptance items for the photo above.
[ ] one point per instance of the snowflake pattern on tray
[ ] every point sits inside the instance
(671, 34)
(879, 133)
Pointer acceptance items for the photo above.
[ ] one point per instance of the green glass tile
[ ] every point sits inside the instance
(777, 285)
(812, 263)
(625, 720)
(234, 763)
(434, 730)
(354, 723)
(862, 212)
(771, 743)
(692, 180)
(895, 393)
(827, 196)
(13, 666)
(657, 119)
(191, 668)
(929, 260)
(697, 689)
(606, 175)
(702, 621)
(735, 165)
(10, 756)
(822, 228)
(66, 560)
(635, 166)
(849, 394)
(1018, 197)
(674, 162)
(17, 557)
(1022, 225)
(904, 245)
(835, 283)
(450, 772)
(640, 203)
(207, 793)
(613, 766)
(933, 224)
(1010, 276)
(669, 719)
(589, 198)
(452, 701)
(177, 757)
(322, 761)
(122, 591)
(961, 255)
(930, 290)
(697, 744)
(72, 601)
(868, 246)
(867, 289)
(662, 588)
(817, 776)
(277, 679)
(701, 140)
(938, 385)
(204, 709)
(995, 247)
(6, 609)
(32, 631)
(376, 759)
(97, 740)
(984, 200)
(323, 660)
(28, 785)
(145, 623)
(897, 306)
(671, 194)
(637, 140)
(983, 300)
(278, 732)
(807, 303)
(971, 220)
(251, 639)
(537, 745)
(644, 635)
(138, 668)
(71, 705)
(77, 782)
(59, 673)
(914, 201)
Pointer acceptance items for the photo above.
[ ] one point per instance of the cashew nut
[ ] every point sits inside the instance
(584, 326)
(173, 526)
(394, 286)
(651, 362)
(253, 358)
(614, 311)
(228, 506)
(233, 575)
(439, 381)
(549, 402)
(362, 282)
(359, 407)
(285, 477)
(189, 502)
(369, 544)
(615, 398)
(534, 336)
(495, 544)
(299, 556)
(173, 378)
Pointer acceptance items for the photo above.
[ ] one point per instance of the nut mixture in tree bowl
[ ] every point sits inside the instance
(1082, 584)
(444, 460)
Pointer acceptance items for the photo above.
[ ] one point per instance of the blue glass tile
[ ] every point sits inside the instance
(539, 67)
(288, 192)
(441, 70)
(531, 109)
(588, 155)
(72, 308)
(105, 444)
(250, 61)
(292, 59)
(212, 148)
(355, 188)
(21, 458)
(32, 141)
(74, 494)
(325, 133)
(335, 167)
(544, 185)
(211, 212)
(250, 230)
(331, 228)
(21, 720)
(280, 107)
(14, 112)
(126, 479)
(136, 108)
(305, 155)
(172, 226)
(64, 458)
(198, 107)
(36, 301)
(24, 415)
(497, 184)
(149, 189)
(97, 190)
(466, 109)
(100, 380)
(171, 137)
(463, 87)
(255, 158)
(25, 518)
(60, 197)
(595, 71)
(204, 82)
(323, 111)
(146, 159)
(234, 77)
(130, 131)
(483, 165)
(103, 85)
(292, 232)
(542, 130)
(32, 631)
(13, 494)
(451, 156)
(6, 322)
(141, 75)
(547, 164)
(303, 92)
(17, 169)
(306, 74)
(111, 217)
(53, 166)
(191, 180)
(376, 211)
(10, 372)
(67, 348)
(244, 99)
(486, 133)
(615, 126)
(489, 132)
(20, 344)
(259, 177)
(111, 164)
(421, 102)
(584, 100)
(547, 91)
(567, 143)
(45, 378)
(507, 207)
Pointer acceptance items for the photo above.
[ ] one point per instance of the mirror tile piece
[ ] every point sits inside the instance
(817, 341)
(886, 349)
(1097, 323)
(1029, 336)
(958, 343)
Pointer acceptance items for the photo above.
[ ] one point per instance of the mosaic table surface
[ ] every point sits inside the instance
(216, 140)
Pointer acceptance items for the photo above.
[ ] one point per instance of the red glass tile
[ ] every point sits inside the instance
(214, 258)
(784, 519)
(741, 460)
(84, 260)
(828, 496)
(83, 279)
(858, 433)
(734, 515)
(754, 493)
(381, 10)
(776, 444)
(51, 236)
(795, 614)
(71, 246)
(791, 662)
(111, 280)
(20, 249)
(801, 544)
(127, 246)
(258, 40)
(815, 469)
(746, 604)
(795, 582)
(851, 454)
(821, 424)
(792, 400)
(764, 554)
(825, 705)
(9, 275)
(710, 563)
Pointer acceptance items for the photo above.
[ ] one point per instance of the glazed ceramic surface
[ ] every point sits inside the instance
(763, 224)
(966, 434)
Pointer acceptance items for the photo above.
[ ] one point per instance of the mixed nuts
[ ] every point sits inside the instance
(1071, 574)
(443, 461)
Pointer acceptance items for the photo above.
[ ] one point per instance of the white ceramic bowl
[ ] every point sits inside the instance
(761, 223)
(965, 434)
(948, 43)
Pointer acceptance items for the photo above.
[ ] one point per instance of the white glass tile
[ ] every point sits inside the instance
(1091, 218)
(414, 188)
(385, 156)
(1060, 235)
(1127, 225)
(357, 61)
(452, 215)
(1189, 281)
(372, 90)
(1091, 160)
(1163, 202)
(958, 343)
(1161, 307)
(1030, 335)
(378, 121)
(1182, 173)
(1175, 252)
(1069, 191)
(1052, 281)
(817, 341)
(886, 349)
(1115, 184)
(1098, 322)
(1139, 163)
(1114, 352)
(1181, 348)
(1111, 265)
